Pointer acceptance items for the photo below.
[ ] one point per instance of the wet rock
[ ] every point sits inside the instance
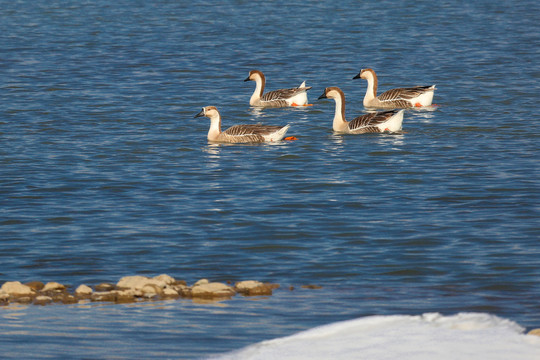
(68, 299)
(16, 289)
(83, 291)
(182, 290)
(130, 289)
(170, 293)
(126, 296)
(56, 291)
(109, 296)
(4, 298)
(151, 290)
(534, 332)
(212, 290)
(24, 300)
(104, 287)
(43, 300)
(254, 288)
(311, 287)
(35, 285)
(53, 286)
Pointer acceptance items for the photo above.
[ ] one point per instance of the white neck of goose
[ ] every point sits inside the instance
(371, 92)
(259, 88)
(215, 125)
(339, 123)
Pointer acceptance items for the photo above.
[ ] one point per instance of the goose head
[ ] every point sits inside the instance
(332, 92)
(366, 74)
(255, 75)
(209, 112)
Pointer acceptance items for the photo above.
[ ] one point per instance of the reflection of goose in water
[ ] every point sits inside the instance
(248, 133)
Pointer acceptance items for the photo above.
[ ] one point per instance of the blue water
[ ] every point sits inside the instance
(105, 172)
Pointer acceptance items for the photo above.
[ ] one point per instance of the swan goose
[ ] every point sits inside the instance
(377, 122)
(277, 98)
(396, 98)
(248, 133)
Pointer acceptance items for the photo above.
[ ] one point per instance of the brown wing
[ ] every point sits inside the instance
(368, 123)
(240, 134)
(237, 130)
(247, 133)
(283, 94)
(403, 93)
(248, 129)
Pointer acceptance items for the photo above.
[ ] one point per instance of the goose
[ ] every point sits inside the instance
(277, 98)
(377, 122)
(396, 98)
(248, 133)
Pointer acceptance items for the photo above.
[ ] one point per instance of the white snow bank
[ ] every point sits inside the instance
(430, 336)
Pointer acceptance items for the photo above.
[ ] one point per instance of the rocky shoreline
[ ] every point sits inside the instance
(130, 289)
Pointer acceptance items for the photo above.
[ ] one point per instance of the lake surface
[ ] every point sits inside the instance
(105, 172)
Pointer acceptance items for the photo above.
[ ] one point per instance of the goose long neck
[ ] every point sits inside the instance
(372, 84)
(260, 83)
(339, 116)
(215, 126)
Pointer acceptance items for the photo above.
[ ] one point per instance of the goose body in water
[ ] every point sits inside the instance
(248, 133)
(377, 122)
(277, 98)
(396, 98)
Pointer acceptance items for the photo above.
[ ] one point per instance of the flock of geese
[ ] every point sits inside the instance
(394, 100)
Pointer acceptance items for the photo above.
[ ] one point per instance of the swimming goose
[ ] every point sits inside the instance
(277, 98)
(395, 98)
(377, 122)
(249, 133)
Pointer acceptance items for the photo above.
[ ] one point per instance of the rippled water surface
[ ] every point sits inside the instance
(105, 172)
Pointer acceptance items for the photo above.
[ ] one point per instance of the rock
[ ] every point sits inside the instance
(24, 300)
(243, 286)
(35, 285)
(311, 287)
(130, 289)
(180, 282)
(168, 280)
(15, 288)
(254, 288)
(126, 296)
(53, 286)
(534, 332)
(104, 287)
(212, 290)
(83, 290)
(68, 299)
(138, 282)
(103, 296)
(201, 282)
(182, 290)
(170, 293)
(43, 300)
(151, 290)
